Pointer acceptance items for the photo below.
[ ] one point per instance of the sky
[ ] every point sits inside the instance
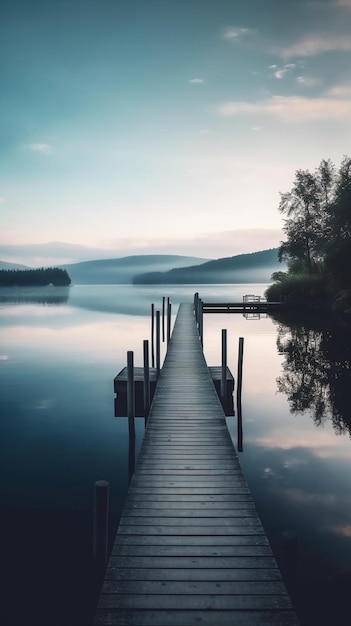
(166, 125)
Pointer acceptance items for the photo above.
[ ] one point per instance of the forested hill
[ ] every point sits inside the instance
(255, 267)
(34, 277)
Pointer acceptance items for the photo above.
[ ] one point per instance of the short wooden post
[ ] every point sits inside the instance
(146, 377)
(224, 368)
(158, 346)
(169, 318)
(100, 527)
(130, 393)
(152, 335)
(196, 304)
(163, 319)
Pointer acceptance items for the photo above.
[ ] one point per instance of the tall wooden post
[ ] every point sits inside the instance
(146, 377)
(238, 394)
(130, 393)
(163, 319)
(158, 347)
(240, 367)
(152, 335)
(224, 368)
(169, 319)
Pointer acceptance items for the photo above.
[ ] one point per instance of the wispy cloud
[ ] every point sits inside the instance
(281, 72)
(308, 81)
(334, 104)
(313, 45)
(2, 200)
(196, 81)
(344, 3)
(234, 33)
(44, 148)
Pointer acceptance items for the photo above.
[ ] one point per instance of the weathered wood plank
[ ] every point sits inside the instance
(205, 574)
(189, 540)
(195, 587)
(181, 550)
(203, 562)
(111, 617)
(193, 602)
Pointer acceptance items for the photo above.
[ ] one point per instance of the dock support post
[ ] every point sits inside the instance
(238, 393)
(201, 322)
(224, 368)
(101, 514)
(146, 377)
(130, 393)
(196, 306)
(158, 348)
(169, 318)
(152, 335)
(163, 319)
(240, 366)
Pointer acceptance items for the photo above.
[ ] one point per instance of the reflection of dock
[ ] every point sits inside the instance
(190, 547)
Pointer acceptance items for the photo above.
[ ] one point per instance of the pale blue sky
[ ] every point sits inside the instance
(164, 125)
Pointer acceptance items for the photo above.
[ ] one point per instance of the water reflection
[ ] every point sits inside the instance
(34, 295)
(317, 370)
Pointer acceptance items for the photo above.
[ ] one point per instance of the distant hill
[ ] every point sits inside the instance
(4, 265)
(244, 268)
(122, 271)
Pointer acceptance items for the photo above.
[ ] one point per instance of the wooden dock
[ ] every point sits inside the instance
(190, 548)
(241, 307)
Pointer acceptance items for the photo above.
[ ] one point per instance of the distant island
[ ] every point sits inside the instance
(35, 277)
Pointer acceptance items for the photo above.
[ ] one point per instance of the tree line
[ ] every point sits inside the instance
(35, 277)
(317, 247)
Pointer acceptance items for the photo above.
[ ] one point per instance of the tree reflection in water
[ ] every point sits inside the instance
(316, 373)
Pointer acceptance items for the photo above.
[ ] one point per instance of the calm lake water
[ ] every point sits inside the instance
(60, 349)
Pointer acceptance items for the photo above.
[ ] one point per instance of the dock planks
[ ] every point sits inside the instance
(190, 547)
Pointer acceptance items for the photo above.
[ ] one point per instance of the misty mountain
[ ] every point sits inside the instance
(122, 271)
(4, 265)
(53, 252)
(255, 267)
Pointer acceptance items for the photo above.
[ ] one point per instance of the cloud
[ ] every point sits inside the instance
(308, 81)
(317, 44)
(344, 3)
(2, 200)
(233, 33)
(196, 81)
(335, 104)
(44, 148)
(280, 73)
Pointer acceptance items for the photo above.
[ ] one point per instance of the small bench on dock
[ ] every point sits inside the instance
(190, 547)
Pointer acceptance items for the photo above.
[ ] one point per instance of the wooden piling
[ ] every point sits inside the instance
(158, 346)
(130, 393)
(146, 377)
(100, 526)
(163, 319)
(152, 335)
(169, 318)
(224, 368)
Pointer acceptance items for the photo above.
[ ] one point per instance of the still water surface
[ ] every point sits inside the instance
(60, 349)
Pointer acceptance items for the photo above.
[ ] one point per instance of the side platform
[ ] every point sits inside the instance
(190, 547)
